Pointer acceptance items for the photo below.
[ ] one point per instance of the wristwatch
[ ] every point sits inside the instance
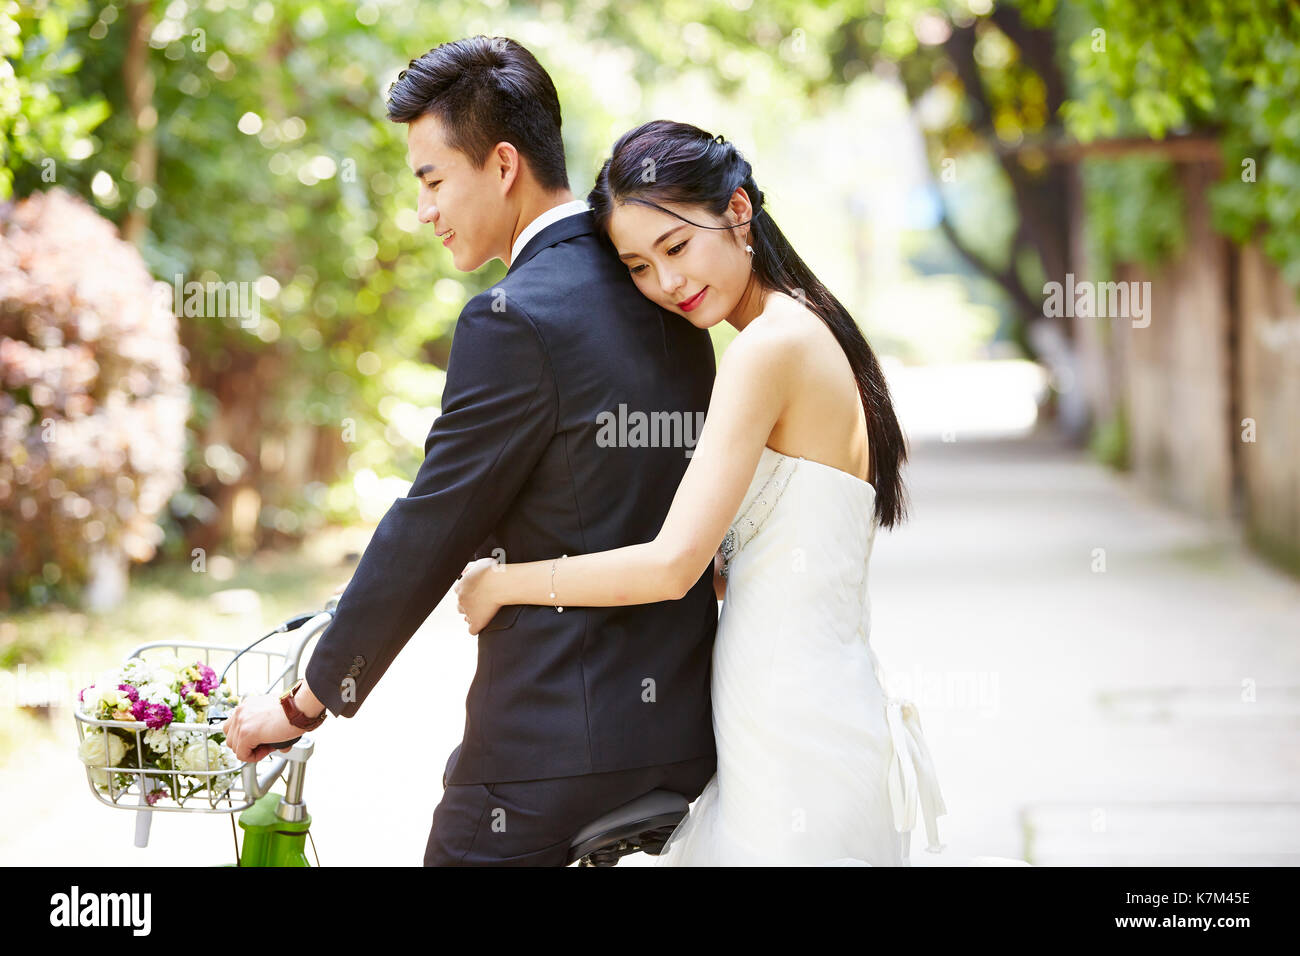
(296, 716)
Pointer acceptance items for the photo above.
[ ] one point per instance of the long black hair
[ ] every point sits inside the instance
(663, 161)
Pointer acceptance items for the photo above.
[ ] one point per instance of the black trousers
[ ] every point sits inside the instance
(531, 822)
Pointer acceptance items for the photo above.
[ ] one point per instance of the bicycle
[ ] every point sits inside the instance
(277, 825)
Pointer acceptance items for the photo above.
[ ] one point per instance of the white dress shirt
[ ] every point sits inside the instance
(554, 214)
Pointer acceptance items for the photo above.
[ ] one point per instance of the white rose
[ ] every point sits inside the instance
(93, 750)
(193, 759)
(99, 748)
(105, 684)
(91, 700)
(219, 757)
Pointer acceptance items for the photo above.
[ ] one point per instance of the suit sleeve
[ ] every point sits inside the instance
(499, 412)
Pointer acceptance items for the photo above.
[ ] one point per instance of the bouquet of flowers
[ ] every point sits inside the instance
(131, 715)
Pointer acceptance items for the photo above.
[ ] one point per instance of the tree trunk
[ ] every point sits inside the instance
(137, 80)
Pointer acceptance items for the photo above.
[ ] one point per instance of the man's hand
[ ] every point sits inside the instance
(257, 719)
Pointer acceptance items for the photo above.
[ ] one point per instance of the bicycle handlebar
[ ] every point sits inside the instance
(317, 621)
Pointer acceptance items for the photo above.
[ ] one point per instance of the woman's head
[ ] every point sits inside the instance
(680, 207)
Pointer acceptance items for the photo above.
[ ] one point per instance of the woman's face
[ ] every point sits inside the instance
(672, 261)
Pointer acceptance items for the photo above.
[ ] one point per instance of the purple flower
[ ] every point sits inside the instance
(208, 683)
(187, 687)
(131, 692)
(81, 695)
(153, 715)
(154, 795)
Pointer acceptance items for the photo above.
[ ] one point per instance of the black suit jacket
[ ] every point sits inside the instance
(516, 462)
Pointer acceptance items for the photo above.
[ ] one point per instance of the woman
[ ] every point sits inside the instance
(797, 465)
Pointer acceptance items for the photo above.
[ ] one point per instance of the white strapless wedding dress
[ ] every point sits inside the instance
(816, 766)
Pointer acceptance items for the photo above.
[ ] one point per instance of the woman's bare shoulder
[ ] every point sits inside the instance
(768, 350)
(786, 323)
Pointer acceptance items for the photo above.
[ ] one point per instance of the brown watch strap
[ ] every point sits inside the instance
(296, 716)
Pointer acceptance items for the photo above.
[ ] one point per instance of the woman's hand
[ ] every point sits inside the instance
(474, 603)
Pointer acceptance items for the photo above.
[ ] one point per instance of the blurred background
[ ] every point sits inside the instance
(1069, 228)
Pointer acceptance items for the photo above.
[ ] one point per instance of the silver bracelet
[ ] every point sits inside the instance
(554, 562)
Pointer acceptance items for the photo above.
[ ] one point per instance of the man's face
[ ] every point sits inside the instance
(464, 205)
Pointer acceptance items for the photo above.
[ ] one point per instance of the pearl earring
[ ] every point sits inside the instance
(749, 249)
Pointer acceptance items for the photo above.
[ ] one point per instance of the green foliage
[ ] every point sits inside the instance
(1227, 67)
(39, 126)
(1109, 441)
(1135, 212)
(275, 165)
(263, 157)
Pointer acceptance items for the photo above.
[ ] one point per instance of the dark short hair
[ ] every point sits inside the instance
(485, 90)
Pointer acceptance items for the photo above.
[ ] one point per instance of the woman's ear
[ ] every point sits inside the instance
(742, 203)
(738, 211)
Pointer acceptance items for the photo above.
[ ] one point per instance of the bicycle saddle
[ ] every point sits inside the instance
(638, 826)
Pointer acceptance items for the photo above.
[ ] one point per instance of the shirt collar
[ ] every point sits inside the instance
(554, 214)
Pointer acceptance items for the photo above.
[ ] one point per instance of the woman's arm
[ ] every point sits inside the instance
(749, 395)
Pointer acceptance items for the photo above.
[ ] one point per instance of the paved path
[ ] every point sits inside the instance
(1082, 716)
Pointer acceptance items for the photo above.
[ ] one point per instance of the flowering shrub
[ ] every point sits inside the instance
(93, 401)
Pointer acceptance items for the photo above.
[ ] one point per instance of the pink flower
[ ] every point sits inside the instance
(153, 715)
(208, 682)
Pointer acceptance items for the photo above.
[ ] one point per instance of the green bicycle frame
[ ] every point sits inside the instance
(270, 840)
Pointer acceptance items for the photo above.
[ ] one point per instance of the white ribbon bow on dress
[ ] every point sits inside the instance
(912, 777)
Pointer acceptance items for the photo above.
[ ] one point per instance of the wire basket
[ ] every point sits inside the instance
(213, 781)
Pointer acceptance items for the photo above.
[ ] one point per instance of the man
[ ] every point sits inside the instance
(575, 711)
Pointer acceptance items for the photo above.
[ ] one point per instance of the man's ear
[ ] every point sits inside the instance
(507, 162)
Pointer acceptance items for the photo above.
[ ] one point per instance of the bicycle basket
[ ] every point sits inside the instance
(185, 767)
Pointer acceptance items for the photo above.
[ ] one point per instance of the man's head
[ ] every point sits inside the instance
(484, 141)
